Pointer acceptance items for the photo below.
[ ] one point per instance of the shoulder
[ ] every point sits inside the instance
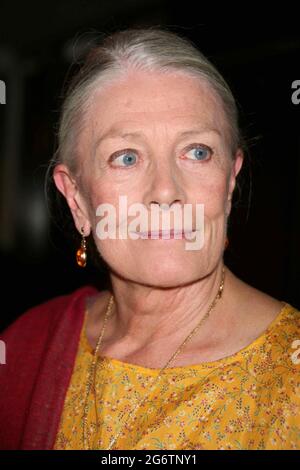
(40, 348)
(291, 317)
(45, 332)
(38, 318)
(255, 309)
(284, 337)
(284, 334)
(275, 355)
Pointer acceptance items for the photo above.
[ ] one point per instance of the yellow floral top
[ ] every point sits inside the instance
(250, 400)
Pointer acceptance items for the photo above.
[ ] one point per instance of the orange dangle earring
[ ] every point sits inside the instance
(81, 253)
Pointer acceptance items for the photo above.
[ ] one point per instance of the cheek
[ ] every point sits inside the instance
(101, 192)
(213, 194)
(209, 189)
(108, 188)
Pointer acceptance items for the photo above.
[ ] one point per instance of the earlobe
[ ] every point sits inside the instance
(63, 180)
(239, 159)
(237, 165)
(67, 185)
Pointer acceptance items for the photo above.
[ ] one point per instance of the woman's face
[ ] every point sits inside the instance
(158, 139)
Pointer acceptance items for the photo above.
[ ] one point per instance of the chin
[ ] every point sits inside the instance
(168, 282)
(165, 275)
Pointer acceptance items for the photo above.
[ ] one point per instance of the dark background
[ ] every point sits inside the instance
(260, 60)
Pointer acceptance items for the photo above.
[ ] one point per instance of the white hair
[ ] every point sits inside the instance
(151, 49)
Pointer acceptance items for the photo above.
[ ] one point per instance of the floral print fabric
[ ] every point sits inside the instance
(250, 400)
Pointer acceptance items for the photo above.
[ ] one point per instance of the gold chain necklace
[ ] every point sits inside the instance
(91, 375)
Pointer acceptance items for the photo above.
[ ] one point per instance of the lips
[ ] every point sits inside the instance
(164, 234)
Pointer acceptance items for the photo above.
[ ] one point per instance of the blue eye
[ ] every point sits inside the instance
(200, 152)
(125, 159)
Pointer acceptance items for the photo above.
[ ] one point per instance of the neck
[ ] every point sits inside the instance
(143, 315)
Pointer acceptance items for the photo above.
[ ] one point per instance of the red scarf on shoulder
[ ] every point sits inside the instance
(41, 347)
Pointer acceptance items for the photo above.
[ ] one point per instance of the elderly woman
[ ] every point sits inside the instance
(179, 353)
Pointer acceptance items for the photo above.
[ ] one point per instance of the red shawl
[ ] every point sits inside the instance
(41, 347)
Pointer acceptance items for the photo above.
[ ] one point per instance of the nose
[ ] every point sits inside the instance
(165, 189)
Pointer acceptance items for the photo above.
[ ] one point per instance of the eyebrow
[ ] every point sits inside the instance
(115, 132)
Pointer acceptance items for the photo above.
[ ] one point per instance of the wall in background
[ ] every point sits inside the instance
(260, 64)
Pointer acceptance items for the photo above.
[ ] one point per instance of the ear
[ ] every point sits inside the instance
(67, 185)
(235, 169)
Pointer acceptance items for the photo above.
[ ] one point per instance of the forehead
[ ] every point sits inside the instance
(155, 99)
